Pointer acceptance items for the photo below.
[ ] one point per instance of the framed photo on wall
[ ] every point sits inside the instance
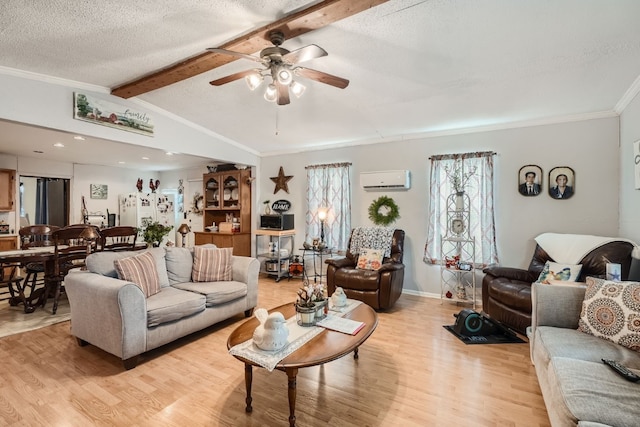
(98, 191)
(530, 180)
(562, 182)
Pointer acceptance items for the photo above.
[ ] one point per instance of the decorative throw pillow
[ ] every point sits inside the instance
(140, 270)
(211, 264)
(562, 272)
(611, 310)
(370, 259)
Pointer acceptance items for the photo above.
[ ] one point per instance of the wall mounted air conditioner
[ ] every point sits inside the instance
(385, 180)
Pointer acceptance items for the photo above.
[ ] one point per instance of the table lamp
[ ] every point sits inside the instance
(322, 216)
(184, 229)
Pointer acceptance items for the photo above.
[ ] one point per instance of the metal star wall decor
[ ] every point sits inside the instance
(281, 181)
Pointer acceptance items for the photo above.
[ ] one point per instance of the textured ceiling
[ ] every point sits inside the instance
(415, 66)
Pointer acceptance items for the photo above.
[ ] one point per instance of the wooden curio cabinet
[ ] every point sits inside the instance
(227, 196)
(7, 190)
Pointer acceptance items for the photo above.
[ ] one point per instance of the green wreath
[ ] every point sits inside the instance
(388, 206)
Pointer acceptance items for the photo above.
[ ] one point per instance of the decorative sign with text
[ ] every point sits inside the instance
(100, 112)
(281, 206)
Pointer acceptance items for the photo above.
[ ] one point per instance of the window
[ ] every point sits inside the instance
(329, 188)
(472, 173)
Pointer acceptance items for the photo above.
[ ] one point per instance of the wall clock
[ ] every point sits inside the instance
(457, 226)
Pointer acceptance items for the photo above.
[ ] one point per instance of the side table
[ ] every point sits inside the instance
(316, 258)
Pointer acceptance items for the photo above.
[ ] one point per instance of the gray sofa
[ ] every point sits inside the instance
(115, 316)
(578, 389)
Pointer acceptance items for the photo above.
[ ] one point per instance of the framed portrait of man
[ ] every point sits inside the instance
(562, 183)
(530, 180)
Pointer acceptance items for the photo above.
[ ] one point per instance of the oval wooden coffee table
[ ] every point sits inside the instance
(327, 346)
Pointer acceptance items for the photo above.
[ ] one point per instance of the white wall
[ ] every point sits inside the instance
(50, 104)
(589, 147)
(629, 196)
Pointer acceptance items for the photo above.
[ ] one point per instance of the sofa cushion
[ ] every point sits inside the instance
(593, 392)
(551, 342)
(370, 259)
(140, 270)
(102, 263)
(172, 304)
(216, 292)
(211, 264)
(611, 310)
(562, 272)
(179, 264)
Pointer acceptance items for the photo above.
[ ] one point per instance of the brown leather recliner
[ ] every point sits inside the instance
(506, 292)
(378, 288)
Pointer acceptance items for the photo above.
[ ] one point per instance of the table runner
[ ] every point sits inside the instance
(298, 336)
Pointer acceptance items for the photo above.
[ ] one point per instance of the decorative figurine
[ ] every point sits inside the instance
(272, 333)
(139, 184)
(339, 298)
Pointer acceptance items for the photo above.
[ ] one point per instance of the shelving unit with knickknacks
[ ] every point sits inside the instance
(227, 204)
(276, 259)
(457, 276)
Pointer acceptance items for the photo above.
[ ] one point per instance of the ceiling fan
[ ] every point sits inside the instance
(281, 65)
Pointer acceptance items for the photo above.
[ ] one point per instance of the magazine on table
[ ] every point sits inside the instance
(340, 324)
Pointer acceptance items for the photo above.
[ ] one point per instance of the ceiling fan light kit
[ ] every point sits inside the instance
(281, 65)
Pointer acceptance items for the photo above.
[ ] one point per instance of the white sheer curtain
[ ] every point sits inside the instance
(479, 188)
(329, 186)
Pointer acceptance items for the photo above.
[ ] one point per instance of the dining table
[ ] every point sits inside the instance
(44, 255)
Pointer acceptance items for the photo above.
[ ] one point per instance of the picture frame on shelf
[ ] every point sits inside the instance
(530, 180)
(562, 181)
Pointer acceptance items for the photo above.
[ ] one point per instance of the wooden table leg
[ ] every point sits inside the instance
(291, 374)
(355, 353)
(248, 378)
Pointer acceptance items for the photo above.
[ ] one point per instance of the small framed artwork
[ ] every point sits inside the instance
(530, 180)
(98, 191)
(636, 162)
(562, 182)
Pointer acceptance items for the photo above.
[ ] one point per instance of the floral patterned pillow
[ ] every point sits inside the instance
(370, 259)
(611, 310)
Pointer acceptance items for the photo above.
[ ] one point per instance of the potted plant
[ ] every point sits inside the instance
(154, 233)
(306, 306)
(320, 301)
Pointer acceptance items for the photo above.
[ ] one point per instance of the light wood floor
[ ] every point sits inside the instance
(411, 372)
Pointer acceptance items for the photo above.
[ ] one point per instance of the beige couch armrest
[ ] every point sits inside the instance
(108, 313)
(555, 305)
(245, 270)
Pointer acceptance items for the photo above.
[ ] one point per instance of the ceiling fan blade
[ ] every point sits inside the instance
(232, 53)
(283, 93)
(232, 77)
(322, 77)
(304, 54)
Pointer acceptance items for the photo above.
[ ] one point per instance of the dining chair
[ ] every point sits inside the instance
(35, 236)
(10, 279)
(120, 238)
(72, 245)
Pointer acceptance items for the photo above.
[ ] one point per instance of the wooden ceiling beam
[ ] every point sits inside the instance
(312, 18)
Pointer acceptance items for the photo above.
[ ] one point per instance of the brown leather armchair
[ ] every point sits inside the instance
(506, 292)
(378, 288)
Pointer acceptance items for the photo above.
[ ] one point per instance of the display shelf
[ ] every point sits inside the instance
(459, 283)
(457, 275)
(272, 262)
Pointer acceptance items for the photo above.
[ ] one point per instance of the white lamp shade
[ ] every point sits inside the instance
(271, 93)
(297, 88)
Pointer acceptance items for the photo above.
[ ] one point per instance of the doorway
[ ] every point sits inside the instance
(44, 200)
